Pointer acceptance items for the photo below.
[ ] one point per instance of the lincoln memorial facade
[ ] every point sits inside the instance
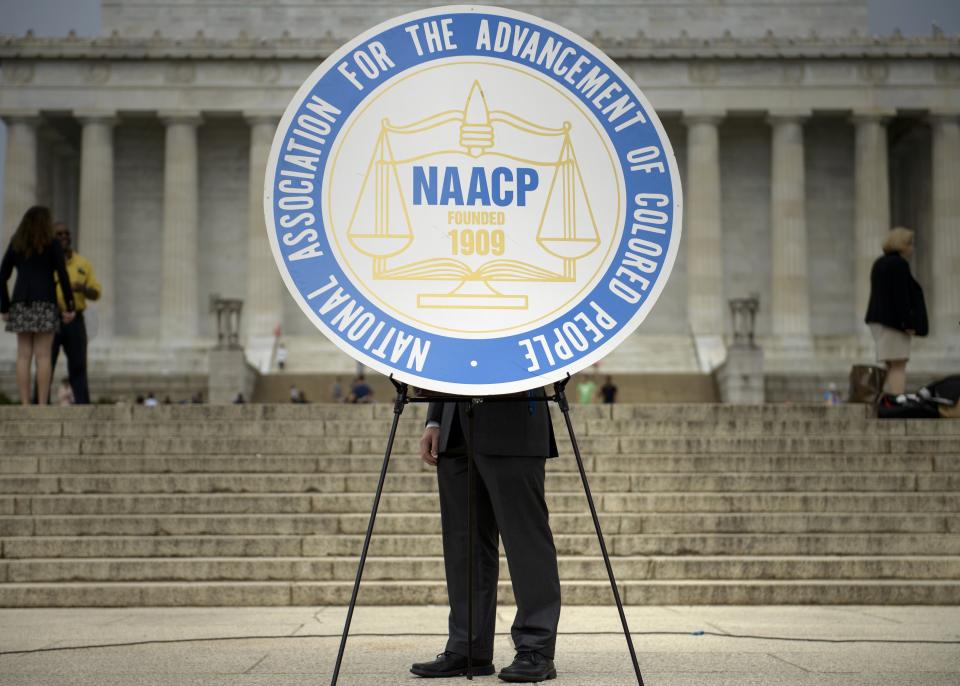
(801, 140)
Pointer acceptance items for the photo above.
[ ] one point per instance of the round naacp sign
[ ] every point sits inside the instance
(473, 200)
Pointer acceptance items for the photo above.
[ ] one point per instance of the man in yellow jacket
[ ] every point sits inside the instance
(73, 336)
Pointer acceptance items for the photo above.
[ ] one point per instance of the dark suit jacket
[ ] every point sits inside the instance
(521, 428)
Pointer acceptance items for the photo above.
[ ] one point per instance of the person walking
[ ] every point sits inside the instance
(896, 310)
(32, 311)
(586, 390)
(608, 391)
(72, 337)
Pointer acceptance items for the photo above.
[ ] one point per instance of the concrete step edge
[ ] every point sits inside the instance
(431, 513)
(431, 582)
(634, 495)
(572, 472)
(578, 558)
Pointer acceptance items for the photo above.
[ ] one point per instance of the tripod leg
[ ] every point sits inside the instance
(565, 408)
(400, 401)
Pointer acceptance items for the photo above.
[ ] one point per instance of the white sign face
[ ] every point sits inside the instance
(473, 200)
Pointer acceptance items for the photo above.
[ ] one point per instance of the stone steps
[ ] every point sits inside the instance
(425, 483)
(430, 568)
(365, 445)
(364, 465)
(402, 545)
(412, 427)
(671, 353)
(667, 592)
(268, 504)
(383, 410)
(329, 504)
(395, 523)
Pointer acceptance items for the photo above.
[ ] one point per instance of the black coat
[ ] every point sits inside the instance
(34, 277)
(896, 299)
(520, 428)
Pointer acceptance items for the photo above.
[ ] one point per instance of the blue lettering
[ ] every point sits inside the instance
(479, 193)
(451, 187)
(501, 196)
(424, 186)
(527, 180)
(501, 189)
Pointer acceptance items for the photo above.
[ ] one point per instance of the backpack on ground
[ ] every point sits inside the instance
(946, 394)
(906, 406)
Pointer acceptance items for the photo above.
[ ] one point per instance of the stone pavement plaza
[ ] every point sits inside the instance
(281, 652)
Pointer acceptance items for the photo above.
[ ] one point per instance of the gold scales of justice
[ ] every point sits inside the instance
(380, 227)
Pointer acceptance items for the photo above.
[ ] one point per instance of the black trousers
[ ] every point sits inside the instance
(510, 502)
(73, 338)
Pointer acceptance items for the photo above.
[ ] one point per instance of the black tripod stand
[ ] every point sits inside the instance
(559, 397)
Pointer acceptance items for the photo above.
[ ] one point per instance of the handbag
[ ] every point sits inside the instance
(866, 383)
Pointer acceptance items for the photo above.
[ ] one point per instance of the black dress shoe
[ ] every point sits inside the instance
(529, 667)
(451, 664)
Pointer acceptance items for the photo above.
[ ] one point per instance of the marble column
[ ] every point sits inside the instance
(945, 273)
(179, 299)
(20, 170)
(263, 309)
(790, 301)
(94, 233)
(871, 205)
(64, 182)
(702, 231)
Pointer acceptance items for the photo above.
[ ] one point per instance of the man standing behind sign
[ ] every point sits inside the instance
(512, 442)
(73, 336)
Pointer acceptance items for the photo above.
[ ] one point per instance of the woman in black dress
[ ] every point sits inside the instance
(32, 312)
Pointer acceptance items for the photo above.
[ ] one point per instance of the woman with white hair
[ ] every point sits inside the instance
(897, 310)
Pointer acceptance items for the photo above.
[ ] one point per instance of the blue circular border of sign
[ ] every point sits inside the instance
(501, 365)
